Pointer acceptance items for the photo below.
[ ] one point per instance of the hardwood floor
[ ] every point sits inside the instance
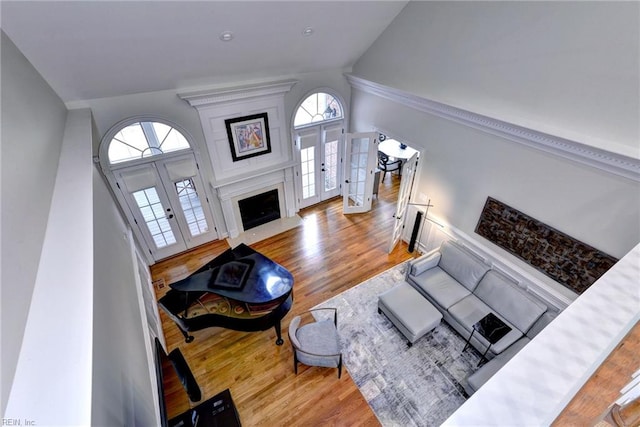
(603, 388)
(328, 254)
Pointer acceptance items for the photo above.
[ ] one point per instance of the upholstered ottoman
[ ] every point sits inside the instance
(409, 311)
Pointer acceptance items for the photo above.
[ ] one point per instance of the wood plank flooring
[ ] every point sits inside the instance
(328, 254)
(603, 388)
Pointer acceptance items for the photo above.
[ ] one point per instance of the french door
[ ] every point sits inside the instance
(319, 174)
(165, 197)
(359, 167)
(406, 185)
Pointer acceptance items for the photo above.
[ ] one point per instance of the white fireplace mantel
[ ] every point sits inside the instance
(234, 180)
(229, 196)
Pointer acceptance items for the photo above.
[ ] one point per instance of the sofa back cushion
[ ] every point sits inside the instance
(505, 297)
(541, 323)
(463, 266)
(424, 263)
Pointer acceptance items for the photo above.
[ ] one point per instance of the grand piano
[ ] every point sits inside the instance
(241, 290)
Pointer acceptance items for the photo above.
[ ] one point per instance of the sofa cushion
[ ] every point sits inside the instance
(321, 344)
(482, 375)
(460, 264)
(541, 323)
(424, 263)
(505, 297)
(470, 310)
(441, 287)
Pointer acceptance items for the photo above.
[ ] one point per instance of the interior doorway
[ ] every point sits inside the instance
(405, 158)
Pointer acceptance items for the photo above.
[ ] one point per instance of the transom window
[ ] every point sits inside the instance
(318, 107)
(145, 139)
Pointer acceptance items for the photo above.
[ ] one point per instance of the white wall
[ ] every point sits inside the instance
(122, 389)
(214, 109)
(570, 69)
(464, 54)
(461, 167)
(167, 105)
(33, 121)
(52, 382)
(48, 270)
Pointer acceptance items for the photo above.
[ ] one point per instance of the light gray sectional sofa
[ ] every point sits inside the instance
(465, 289)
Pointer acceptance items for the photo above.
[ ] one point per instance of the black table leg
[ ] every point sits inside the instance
(484, 358)
(468, 340)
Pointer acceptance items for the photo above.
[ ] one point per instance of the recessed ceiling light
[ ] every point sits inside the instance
(307, 31)
(226, 36)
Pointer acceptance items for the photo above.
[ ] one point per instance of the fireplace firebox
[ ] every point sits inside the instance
(259, 209)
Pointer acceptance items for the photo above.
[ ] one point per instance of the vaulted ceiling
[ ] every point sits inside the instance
(95, 49)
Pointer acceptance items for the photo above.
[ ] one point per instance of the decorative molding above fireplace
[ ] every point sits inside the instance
(245, 177)
(216, 96)
(217, 105)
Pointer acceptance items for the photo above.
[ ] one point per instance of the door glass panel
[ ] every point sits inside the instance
(358, 161)
(154, 217)
(307, 163)
(191, 207)
(330, 165)
(158, 210)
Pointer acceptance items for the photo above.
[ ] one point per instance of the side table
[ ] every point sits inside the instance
(491, 328)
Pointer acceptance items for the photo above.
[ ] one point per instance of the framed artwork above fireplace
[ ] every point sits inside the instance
(248, 136)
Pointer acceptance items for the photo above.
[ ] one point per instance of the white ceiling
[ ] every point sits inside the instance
(94, 49)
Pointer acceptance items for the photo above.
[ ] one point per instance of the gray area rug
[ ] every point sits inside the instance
(405, 386)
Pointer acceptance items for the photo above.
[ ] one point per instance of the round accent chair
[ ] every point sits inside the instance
(315, 340)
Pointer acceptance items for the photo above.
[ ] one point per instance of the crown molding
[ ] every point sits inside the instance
(225, 94)
(608, 161)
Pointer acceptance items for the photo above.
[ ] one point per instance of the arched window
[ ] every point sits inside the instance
(145, 139)
(318, 107)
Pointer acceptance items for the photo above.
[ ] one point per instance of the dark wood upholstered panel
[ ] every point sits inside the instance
(566, 260)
